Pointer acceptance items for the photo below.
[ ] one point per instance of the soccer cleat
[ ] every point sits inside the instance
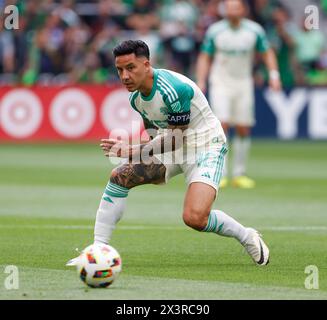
(223, 183)
(243, 182)
(72, 262)
(256, 248)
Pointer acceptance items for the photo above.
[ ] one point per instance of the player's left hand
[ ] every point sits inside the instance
(115, 148)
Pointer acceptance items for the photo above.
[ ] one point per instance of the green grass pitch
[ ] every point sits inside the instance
(48, 199)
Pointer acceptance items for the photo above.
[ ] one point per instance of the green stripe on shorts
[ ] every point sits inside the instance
(220, 165)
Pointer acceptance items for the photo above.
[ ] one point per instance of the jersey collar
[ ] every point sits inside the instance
(154, 86)
(236, 28)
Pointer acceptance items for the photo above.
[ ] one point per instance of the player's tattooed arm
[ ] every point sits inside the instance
(172, 139)
(131, 175)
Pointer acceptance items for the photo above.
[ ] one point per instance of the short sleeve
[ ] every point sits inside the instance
(208, 44)
(262, 44)
(177, 96)
(179, 109)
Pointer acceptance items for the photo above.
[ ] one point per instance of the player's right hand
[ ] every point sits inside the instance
(115, 148)
(275, 84)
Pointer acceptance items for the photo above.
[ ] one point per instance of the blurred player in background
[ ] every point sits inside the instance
(227, 57)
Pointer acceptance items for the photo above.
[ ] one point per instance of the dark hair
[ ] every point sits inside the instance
(138, 47)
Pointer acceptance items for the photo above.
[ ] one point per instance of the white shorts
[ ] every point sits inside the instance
(233, 104)
(204, 165)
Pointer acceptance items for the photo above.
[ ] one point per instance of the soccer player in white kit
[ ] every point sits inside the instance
(227, 57)
(169, 102)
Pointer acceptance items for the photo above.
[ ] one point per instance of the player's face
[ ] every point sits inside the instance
(132, 70)
(234, 9)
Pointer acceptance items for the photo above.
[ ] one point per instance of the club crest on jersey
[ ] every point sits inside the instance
(176, 106)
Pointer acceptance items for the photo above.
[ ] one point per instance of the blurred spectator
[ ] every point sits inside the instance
(67, 13)
(181, 49)
(90, 71)
(262, 11)
(178, 31)
(324, 6)
(74, 49)
(7, 61)
(20, 40)
(143, 12)
(309, 46)
(281, 39)
(209, 15)
(174, 13)
(103, 44)
(152, 39)
(72, 40)
(36, 12)
(109, 11)
(6, 49)
(44, 55)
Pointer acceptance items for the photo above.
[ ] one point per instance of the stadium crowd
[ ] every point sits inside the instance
(69, 42)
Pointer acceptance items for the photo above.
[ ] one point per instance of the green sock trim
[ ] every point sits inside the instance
(206, 229)
(107, 199)
(117, 187)
(115, 194)
(115, 190)
(212, 225)
(220, 228)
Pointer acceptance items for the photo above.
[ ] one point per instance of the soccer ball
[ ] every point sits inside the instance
(98, 265)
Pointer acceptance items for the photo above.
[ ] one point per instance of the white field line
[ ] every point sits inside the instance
(144, 227)
(150, 287)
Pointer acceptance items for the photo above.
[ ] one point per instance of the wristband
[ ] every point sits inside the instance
(274, 75)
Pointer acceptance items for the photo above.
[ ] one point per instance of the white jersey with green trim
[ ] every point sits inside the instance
(177, 100)
(232, 49)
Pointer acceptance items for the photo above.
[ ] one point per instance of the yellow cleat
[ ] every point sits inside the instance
(223, 183)
(243, 182)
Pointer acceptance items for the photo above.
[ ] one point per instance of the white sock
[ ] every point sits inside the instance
(221, 223)
(110, 211)
(241, 147)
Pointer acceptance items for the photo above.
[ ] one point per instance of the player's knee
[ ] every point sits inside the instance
(243, 131)
(195, 219)
(225, 127)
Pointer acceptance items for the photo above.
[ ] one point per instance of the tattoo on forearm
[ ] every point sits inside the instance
(170, 141)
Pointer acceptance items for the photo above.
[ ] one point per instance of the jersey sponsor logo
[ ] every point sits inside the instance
(179, 119)
(176, 106)
(235, 52)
